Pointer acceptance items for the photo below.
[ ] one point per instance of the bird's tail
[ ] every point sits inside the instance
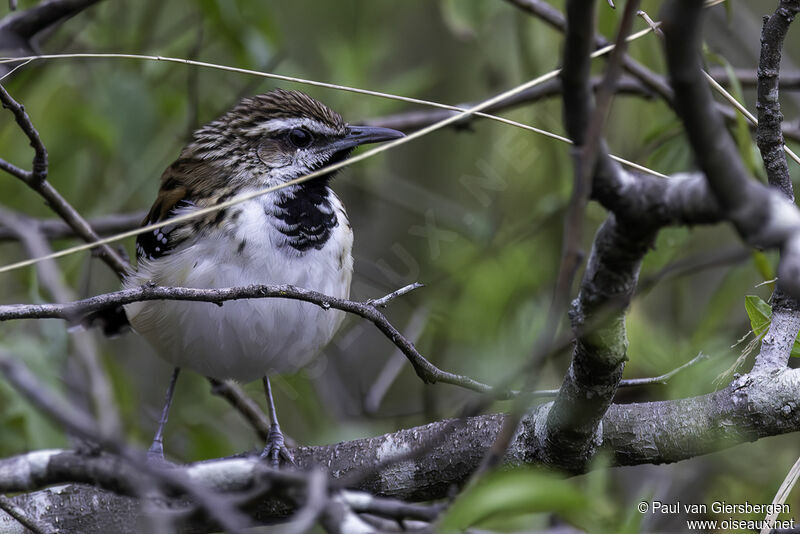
(113, 321)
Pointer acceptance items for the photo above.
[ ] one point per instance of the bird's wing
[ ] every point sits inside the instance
(175, 196)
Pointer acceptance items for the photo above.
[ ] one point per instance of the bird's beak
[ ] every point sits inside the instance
(362, 135)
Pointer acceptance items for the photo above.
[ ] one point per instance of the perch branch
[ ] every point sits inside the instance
(753, 406)
(74, 311)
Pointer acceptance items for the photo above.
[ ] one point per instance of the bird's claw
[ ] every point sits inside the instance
(275, 449)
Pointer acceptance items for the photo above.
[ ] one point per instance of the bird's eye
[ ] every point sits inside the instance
(300, 138)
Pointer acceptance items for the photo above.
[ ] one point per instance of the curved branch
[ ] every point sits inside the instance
(75, 311)
(762, 216)
(37, 180)
(19, 31)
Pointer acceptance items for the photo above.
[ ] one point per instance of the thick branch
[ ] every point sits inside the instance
(769, 136)
(18, 31)
(21, 516)
(776, 347)
(761, 215)
(612, 272)
(600, 350)
(714, 149)
(752, 407)
(656, 83)
(777, 344)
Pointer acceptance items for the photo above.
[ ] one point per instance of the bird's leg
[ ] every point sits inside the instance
(156, 451)
(275, 448)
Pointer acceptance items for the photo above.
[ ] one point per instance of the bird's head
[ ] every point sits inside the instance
(279, 136)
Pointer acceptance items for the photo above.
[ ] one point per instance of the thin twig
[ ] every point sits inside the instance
(37, 180)
(39, 172)
(316, 499)
(749, 77)
(634, 382)
(409, 100)
(662, 379)
(655, 82)
(74, 311)
(462, 114)
(78, 422)
(395, 363)
(385, 300)
(99, 386)
(744, 111)
(780, 497)
(57, 229)
(246, 406)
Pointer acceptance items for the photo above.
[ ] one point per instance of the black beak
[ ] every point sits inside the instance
(362, 135)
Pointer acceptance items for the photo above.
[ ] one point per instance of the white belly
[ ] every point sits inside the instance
(244, 339)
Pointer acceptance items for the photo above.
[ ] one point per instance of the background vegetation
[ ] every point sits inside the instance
(474, 213)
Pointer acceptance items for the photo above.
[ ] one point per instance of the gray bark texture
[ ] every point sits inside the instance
(438, 456)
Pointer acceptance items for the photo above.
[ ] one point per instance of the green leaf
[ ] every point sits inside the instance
(763, 265)
(759, 312)
(795, 349)
(512, 493)
(760, 315)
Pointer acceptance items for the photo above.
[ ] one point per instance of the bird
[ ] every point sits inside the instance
(298, 235)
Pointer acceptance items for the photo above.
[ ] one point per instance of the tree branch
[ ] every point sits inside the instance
(57, 229)
(98, 385)
(753, 406)
(36, 180)
(414, 120)
(777, 344)
(653, 81)
(22, 517)
(769, 137)
(243, 404)
(761, 216)
(18, 31)
(748, 77)
(75, 311)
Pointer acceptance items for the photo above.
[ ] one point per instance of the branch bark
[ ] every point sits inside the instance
(36, 179)
(75, 311)
(753, 406)
(762, 216)
(18, 31)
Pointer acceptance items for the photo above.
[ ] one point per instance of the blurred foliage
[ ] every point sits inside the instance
(473, 213)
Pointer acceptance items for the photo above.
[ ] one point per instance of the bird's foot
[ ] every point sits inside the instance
(275, 448)
(155, 455)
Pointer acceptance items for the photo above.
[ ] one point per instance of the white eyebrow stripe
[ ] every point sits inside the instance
(285, 124)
